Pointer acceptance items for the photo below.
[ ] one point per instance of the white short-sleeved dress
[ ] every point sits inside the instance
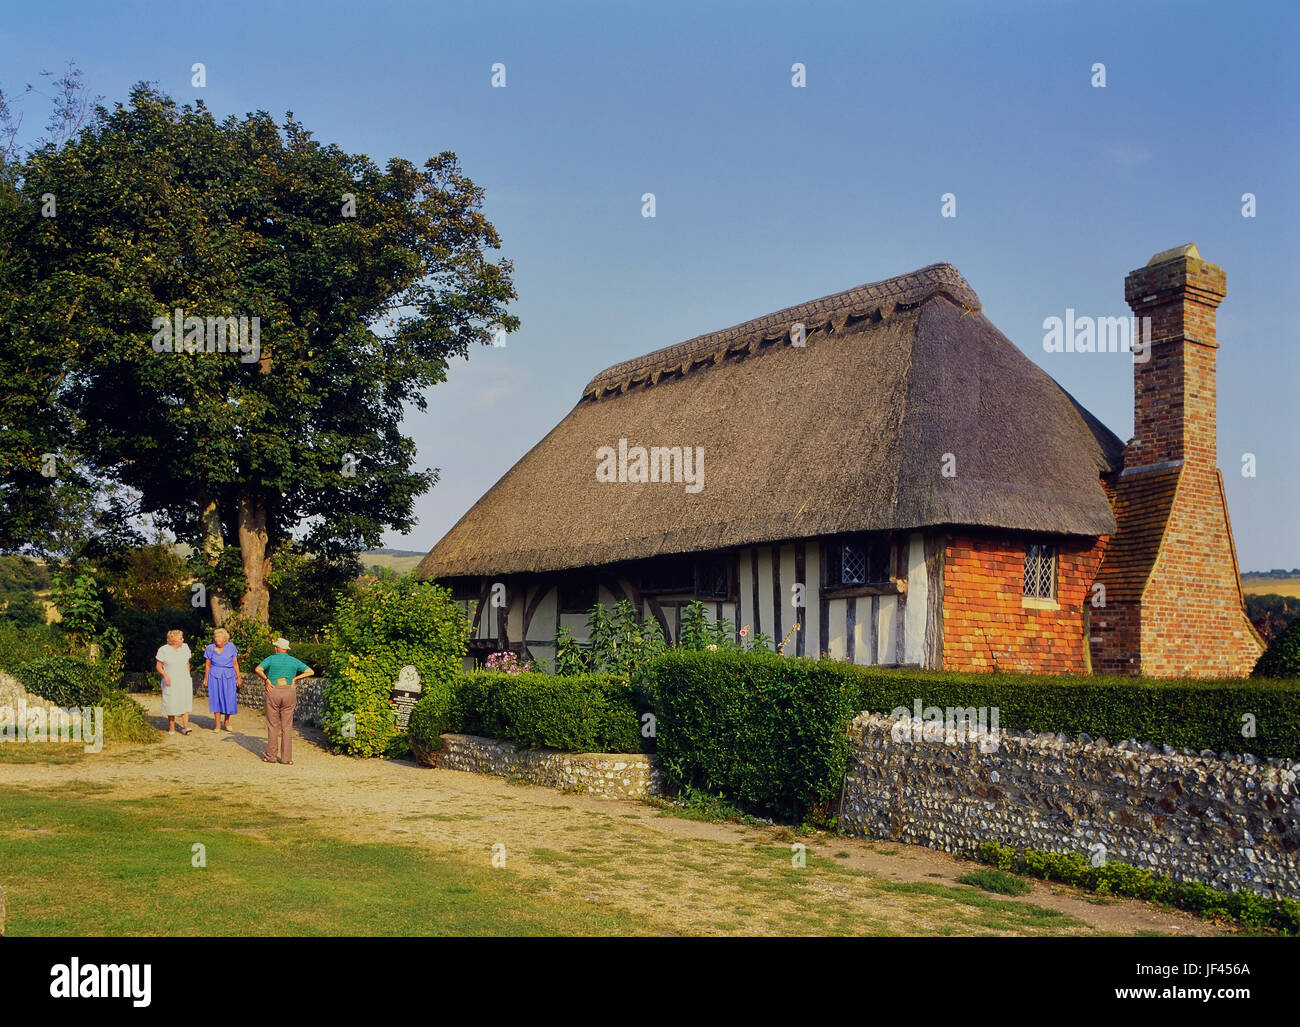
(179, 698)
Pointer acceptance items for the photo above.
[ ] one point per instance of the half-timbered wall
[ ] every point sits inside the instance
(894, 624)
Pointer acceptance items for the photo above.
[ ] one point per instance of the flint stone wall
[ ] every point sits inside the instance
(1227, 821)
(604, 775)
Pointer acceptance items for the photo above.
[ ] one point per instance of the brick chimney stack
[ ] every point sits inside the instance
(1174, 391)
(1173, 603)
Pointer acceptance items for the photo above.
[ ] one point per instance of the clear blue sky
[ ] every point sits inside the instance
(768, 195)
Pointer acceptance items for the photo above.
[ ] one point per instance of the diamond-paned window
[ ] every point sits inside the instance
(853, 564)
(1040, 571)
(859, 561)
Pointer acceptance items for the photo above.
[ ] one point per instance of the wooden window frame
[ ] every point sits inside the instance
(831, 562)
(1052, 551)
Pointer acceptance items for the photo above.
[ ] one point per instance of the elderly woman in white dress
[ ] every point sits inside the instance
(177, 687)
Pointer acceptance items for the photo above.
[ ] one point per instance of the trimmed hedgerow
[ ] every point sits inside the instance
(1234, 715)
(767, 732)
(580, 713)
(1075, 868)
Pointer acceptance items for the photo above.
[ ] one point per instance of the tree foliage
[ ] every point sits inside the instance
(364, 283)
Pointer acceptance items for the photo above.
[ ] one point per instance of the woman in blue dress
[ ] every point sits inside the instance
(221, 676)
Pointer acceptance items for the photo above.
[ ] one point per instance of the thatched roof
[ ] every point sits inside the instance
(845, 433)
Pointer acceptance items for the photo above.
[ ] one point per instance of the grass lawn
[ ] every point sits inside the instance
(74, 863)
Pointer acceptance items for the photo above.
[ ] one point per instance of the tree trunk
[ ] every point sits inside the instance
(253, 553)
(213, 545)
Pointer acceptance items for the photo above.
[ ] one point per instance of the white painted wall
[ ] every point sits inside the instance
(917, 600)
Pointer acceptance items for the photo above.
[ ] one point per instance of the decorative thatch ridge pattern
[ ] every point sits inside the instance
(849, 432)
(832, 313)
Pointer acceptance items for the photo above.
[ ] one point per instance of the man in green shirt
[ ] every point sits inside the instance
(281, 672)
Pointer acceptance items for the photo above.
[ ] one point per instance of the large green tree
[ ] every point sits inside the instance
(364, 283)
(47, 500)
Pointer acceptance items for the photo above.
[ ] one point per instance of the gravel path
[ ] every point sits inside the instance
(686, 876)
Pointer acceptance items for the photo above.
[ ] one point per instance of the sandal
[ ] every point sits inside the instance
(286, 763)
(186, 730)
(268, 759)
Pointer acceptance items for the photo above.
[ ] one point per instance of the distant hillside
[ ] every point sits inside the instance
(1275, 582)
(400, 560)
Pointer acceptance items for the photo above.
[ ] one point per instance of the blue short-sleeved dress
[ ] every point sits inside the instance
(222, 684)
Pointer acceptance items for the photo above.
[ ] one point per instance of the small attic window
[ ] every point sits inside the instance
(1040, 571)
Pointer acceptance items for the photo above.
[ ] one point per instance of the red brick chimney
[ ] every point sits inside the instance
(1173, 599)
(1174, 390)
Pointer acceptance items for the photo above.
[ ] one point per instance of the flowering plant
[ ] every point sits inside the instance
(507, 663)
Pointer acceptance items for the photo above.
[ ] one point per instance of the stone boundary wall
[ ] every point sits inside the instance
(1227, 821)
(251, 694)
(604, 775)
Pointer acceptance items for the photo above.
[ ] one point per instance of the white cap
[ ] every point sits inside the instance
(281, 643)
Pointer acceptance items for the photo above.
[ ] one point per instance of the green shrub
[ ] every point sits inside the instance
(125, 720)
(145, 632)
(1282, 657)
(1183, 713)
(1074, 868)
(25, 611)
(767, 732)
(430, 718)
(62, 680)
(384, 627)
(583, 713)
(994, 880)
(619, 642)
(22, 645)
(315, 654)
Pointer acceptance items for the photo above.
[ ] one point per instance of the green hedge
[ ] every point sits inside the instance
(767, 732)
(1183, 713)
(22, 645)
(1075, 868)
(61, 680)
(580, 713)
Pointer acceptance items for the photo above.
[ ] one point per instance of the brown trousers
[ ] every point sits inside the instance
(279, 721)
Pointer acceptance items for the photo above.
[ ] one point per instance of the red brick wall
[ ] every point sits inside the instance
(986, 627)
(1116, 639)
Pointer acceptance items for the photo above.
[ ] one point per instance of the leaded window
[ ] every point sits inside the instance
(1040, 571)
(853, 564)
(859, 561)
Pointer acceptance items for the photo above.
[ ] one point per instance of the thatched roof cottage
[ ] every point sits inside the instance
(884, 469)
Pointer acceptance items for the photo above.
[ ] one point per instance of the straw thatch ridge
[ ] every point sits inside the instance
(851, 432)
(830, 313)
